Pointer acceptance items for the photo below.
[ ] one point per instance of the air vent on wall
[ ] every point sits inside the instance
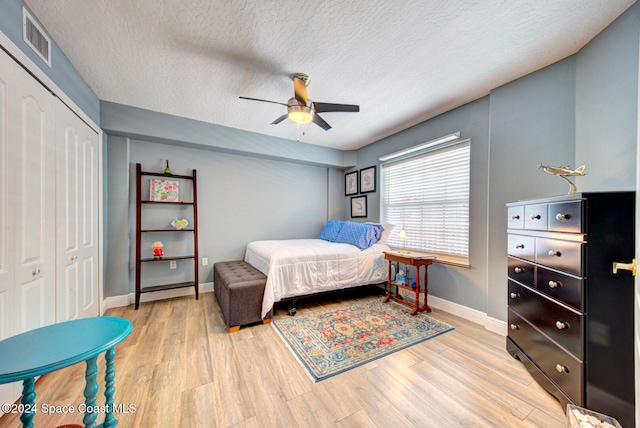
(35, 37)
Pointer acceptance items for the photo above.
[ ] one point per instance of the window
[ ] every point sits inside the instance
(428, 195)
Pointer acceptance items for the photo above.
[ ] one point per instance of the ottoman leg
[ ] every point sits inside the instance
(266, 321)
(234, 329)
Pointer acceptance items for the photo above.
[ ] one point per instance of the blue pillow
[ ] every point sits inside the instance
(361, 235)
(331, 230)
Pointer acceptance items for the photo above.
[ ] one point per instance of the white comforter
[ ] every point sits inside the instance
(297, 267)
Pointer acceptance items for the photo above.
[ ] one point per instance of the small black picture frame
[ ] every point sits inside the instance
(351, 186)
(359, 206)
(368, 179)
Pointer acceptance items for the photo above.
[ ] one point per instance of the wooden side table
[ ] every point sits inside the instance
(409, 259)
(56, 346)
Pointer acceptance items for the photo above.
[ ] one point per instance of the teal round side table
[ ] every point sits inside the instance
(56, 346)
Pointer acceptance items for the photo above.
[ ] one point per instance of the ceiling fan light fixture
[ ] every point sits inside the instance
(300, 114)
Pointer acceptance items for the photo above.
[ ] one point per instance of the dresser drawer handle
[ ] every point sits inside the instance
(518, 270)
(514, 327)
(554, 253)
(515, 217)
(561, 216)
(562, 369)
(562, 325)
(519, 246)
(515, 295)
(535, 216)
(555, 284)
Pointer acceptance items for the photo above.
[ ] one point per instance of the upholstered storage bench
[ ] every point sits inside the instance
(239, 288)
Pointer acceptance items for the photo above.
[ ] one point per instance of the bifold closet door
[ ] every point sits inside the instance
(32, 158)
(76, 216)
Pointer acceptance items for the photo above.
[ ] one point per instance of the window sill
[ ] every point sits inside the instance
(444, 259)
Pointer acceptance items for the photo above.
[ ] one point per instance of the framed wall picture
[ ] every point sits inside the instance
(351, 183)
(368, 179)
(359, 206)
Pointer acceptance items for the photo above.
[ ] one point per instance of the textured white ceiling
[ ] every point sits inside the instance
(401, 61)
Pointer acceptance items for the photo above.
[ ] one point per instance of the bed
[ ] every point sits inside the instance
(301, 267)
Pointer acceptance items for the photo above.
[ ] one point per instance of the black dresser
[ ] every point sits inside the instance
(570, 317)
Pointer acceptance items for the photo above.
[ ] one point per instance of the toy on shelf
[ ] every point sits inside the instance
(179, 223)
(157, 250)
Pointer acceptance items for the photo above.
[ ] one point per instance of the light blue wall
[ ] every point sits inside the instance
(607, 106)
(62, 72)
(463, 286)
(118, 119)
(117, 231)
(240, 199)
(532, 122)
(580, 110)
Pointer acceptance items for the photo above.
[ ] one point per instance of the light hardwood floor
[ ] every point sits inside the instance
(181, 368)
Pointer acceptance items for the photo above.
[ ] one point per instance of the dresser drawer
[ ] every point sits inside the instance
(515, 218)
(562, 255)
(559, 323)
(535, 217)
(566, 288)
(521, 246)
(566, 217)
(563, 368)
(521, 271)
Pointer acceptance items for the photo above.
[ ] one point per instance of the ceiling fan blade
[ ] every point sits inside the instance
(320, 122)
(280, 119)
(328, 107)
(264, 101)
(300, 89)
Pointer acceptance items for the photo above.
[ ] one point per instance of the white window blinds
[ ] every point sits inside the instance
(428, 195)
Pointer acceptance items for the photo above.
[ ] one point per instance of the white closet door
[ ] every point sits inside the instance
(32, 157)
(77, 216)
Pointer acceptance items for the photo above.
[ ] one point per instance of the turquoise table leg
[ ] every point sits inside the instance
(28, 401)
(90, 391)
(110, 389)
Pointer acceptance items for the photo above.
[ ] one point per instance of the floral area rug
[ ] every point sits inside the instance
(332, 341)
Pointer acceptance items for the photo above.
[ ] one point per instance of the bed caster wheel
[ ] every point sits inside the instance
(292, 312)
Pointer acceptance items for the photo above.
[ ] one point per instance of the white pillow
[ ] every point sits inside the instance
(385, 233)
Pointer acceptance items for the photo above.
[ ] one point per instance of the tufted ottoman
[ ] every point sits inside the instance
(239, 288)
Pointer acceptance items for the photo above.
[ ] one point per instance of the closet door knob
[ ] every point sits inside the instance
(74, 258)
(562, 369)
(35, 272)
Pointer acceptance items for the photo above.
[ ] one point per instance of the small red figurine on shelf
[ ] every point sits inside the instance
(157, 250)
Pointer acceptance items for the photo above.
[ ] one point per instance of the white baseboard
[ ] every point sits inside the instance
(473, 315)
(129, 299)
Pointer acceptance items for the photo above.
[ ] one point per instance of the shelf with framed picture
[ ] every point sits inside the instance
(160, 215)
